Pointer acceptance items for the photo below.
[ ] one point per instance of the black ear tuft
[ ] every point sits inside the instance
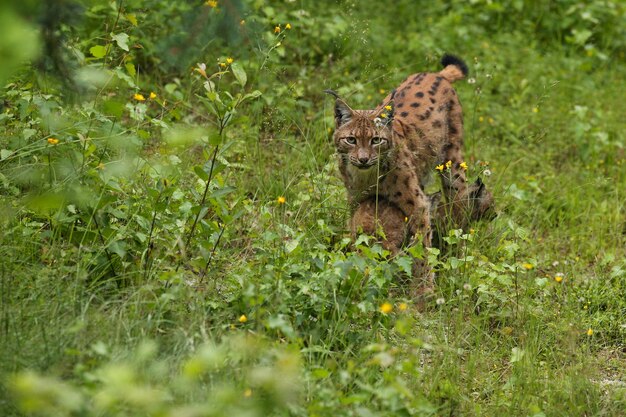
(448, 59)
(332, 93)
(343, 112)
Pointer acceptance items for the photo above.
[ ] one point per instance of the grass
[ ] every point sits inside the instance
(107, 311)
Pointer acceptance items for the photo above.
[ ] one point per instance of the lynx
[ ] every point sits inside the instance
(388, 154)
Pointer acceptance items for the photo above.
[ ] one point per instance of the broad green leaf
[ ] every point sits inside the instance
(98, 51)
(291, 245)
(119, 73)
(215, 138)
(254, 94)
(516, 354)
(200, 172)
(132, 19)
(405, 263)
(239, 73)
(122, 40)
(130, 67)
(5, 153)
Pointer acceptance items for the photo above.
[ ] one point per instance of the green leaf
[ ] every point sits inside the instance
(119, 73)
(249, 96)
(239, 73)
(291, 245)
(516, 354)
(215, 138)
(98, 51)
(405, 263)
(320, 373)
(200, 172)
(5, 153)
(122, 40)
(130, 67)
(132, 19)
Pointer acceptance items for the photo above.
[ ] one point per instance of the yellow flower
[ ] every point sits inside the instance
(288, 26)
(211, 3)
(527, 266)
(382, 91)
(388, 107)
(281, 200)
(247, 393)
(464, 166)
(139, 97)
(277, 29)
(243, 318)
(223, 64)
(243, 22)
(153, 95)
(535, 109)
(383, 115)
(558, 278)
(448, 164)
(439, 168)
(481, 119)
(402, 306)
(53, 141)
(229, 60)
(589, 331)
(386, 308)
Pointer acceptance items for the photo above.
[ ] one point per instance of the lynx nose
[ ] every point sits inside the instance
(363, 159)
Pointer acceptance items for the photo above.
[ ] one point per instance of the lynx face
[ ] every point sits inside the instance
(362, 137)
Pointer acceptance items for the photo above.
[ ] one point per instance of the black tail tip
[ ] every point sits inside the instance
(448, 59)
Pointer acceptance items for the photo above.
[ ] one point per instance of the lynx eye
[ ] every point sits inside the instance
(377, 140)
(350, 140)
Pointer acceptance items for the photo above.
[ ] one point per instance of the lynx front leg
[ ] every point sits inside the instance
(404, 192)
(377, 217)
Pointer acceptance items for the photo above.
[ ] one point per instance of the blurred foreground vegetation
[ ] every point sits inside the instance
(174, 230)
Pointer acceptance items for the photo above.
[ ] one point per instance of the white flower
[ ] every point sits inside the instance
(487, 172)
(440, 301)
(471, 80)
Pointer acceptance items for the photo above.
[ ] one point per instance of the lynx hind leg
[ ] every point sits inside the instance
(464, 203)
(381, 219)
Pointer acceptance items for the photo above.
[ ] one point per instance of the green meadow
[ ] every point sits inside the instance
(174, 236)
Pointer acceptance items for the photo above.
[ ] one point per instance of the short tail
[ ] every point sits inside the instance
(453, 68)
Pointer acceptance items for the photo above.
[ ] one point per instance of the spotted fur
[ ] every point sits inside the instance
(390, 152)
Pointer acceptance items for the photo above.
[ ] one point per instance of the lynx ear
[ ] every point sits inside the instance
(343, 112)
